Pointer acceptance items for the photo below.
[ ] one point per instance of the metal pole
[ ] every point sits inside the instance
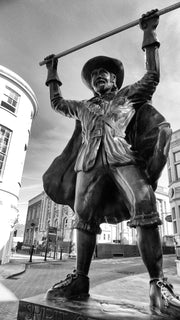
(46, 250)
(47, 244)
(110, 33)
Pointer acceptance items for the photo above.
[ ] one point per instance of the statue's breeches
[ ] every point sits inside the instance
(114, 194)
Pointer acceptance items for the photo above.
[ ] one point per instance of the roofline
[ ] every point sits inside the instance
(35, 197)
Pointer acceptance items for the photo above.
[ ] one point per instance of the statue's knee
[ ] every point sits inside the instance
(82, 211)
(78, 208)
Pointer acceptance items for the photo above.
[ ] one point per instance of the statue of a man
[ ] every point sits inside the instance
(124, 147)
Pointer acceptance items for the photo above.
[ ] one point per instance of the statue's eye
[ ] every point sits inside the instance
(94, 73)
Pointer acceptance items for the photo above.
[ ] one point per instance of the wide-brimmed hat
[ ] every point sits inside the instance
(110, 64)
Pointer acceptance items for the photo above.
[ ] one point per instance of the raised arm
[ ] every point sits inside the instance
(68, 108)
(148, 23)
(142, 90)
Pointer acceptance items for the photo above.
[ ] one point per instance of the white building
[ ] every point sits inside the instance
(18, 106)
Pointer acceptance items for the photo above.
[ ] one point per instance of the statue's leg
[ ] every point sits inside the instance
(86, 243)
(88, 195)
(76, 284)
(162, 298)
(158, 159)
(149, 245)
(86, 203)
(134, 187)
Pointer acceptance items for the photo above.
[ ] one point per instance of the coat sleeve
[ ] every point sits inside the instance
(142, 91)
(68, 108)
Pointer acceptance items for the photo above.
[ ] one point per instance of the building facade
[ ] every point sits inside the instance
(18, 107)
(43, 214)
(174, 183)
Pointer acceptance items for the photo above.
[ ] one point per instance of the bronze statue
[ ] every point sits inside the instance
(109, 170)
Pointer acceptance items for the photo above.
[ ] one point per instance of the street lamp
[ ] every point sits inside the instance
(33, 225)
(47, 243)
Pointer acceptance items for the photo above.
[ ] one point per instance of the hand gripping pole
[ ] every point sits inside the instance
(110, 33)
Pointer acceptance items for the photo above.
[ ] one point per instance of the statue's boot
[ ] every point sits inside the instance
(76, 285)
(163, 300)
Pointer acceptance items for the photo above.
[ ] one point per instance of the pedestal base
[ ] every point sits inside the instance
(96, 307)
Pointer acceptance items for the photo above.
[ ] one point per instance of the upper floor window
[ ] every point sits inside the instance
(65, 222)
(175, 226)
(177, 164)
(169, 175)
(33, 213)
(177, 167)
(10, 100)
(173, 213)
(177, 156)
(5, 135)
(179, 211)
(174, 220)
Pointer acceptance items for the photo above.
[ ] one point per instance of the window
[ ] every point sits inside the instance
(15, 233)
(33, 213)
(177, 170)
(56, 223)
(5, 135)
(174, 220)
(65, 223)
(10, 100)
(177, 156)
(174, 226)
(169, 175)
(173, 213)
(177, 164)
(29, 214)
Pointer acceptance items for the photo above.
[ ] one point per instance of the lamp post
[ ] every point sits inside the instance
(33, 226)
(47, 244)
(46, 250)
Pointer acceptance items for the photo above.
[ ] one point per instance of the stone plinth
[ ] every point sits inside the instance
(95, 307)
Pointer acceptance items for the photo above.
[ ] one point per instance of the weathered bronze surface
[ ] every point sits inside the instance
(109, 170)
(37, 308)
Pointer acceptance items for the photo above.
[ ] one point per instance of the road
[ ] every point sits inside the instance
(39, 277)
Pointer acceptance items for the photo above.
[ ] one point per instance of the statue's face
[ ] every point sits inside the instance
(102, 81)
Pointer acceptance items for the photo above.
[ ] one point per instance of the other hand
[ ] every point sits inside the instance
(150, 20)
(52, 62)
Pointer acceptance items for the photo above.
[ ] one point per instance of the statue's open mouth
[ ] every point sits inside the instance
(99, 81)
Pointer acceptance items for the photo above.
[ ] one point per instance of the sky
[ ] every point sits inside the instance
(32, 29)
